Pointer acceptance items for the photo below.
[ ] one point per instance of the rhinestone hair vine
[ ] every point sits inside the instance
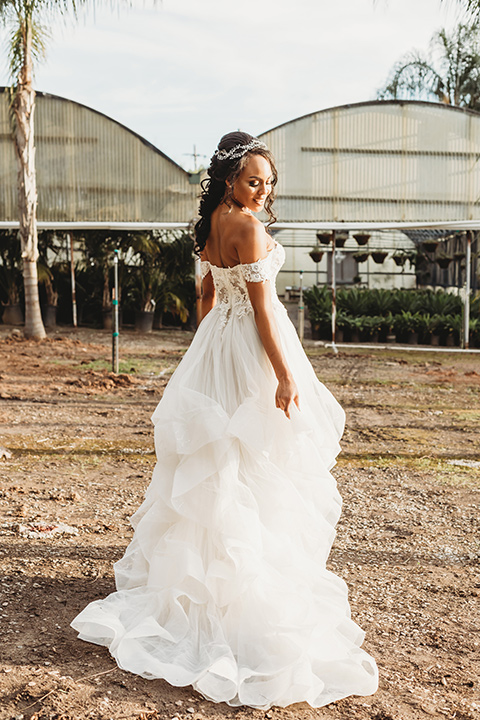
(239, 150)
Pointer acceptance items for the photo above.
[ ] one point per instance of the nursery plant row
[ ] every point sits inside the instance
(376, 315)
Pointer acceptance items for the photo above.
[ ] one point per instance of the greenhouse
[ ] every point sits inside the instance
(397, 182)
(387, 168)
(92, 168)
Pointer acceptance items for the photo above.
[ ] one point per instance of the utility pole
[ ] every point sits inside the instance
(195, 156)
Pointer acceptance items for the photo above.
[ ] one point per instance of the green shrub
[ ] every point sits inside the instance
(354, 301)
(429, 324)
(319, 303)
(407, 321)
(440, 303)
(380, 301)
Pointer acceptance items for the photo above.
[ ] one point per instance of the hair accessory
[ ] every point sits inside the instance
(239, 150)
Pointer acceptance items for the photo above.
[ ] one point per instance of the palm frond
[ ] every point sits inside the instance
(471, 7)
(16, 54)
(50, 9)
(448, 72)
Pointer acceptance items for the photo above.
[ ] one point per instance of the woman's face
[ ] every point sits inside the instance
(254, 184)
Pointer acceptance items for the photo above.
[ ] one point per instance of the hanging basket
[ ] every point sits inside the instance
(362, 238)
(430, 245)
(340, 239)
(443, 261)
(316, 254)
(324, 237)
(459, 255)
(379, 256)
(399, 260)
(360, 257)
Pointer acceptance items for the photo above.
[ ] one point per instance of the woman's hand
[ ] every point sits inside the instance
(286, 394)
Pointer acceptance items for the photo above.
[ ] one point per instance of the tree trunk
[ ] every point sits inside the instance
(23, 106)
(33, 320)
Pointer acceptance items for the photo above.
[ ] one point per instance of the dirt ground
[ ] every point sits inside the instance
(81, 455)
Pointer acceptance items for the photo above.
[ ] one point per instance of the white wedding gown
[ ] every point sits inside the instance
(224, 585)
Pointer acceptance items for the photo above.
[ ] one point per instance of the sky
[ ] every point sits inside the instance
(182, 73)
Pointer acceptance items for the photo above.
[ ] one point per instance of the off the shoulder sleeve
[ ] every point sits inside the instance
(256, 271)
(204, 268)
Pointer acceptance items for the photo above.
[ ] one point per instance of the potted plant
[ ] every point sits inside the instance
(316, 254)
(379, 256)
(169, 298)
(408, 324)
(430, 245)
(318, 301)
(474, 327)
(46, 277)
(381, 301)
(389, 324)
(360, 257)
(177, 295)
(452, 328)
(362, 238)
(324, 237)
(49, 271)
(145, 278)
(10, 277)
(441, 303)
(340, 239)
(99, 248)
(429, 326)
(373, 325)
(341, 322)
(459, 255)
(399, 258)
(355, 325)
(443, 260)
(353, 301)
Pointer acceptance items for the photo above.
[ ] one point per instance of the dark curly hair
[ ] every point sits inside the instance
(215, 189)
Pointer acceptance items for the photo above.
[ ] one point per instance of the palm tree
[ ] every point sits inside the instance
(24, 20)
(27, 45)
(472, 7)
(449, 72)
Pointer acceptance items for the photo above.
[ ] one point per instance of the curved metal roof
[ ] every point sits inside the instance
(373, 103)
(90, 167)
(379, 161)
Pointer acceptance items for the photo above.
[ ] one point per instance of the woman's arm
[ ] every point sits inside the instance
(261, 299)
(252, 248)
(208, 295)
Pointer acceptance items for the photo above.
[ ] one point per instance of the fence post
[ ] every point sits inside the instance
(115, 333)
(466, 306)
(301, 311)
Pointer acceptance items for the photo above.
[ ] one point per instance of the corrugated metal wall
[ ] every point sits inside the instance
(379, 161)
(89, 167)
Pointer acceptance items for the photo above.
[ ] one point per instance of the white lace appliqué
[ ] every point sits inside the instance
(256, 271)
(204, 268)
(231, 283)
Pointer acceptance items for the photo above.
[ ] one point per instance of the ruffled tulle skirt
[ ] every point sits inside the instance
(224, 585)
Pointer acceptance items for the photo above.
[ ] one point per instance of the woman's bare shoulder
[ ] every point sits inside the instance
(252, 240)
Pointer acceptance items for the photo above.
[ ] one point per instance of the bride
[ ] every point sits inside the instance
(224, 585)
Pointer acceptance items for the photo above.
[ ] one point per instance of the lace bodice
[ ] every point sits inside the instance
(231, 282)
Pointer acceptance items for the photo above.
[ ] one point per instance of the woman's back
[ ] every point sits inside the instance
(231, 227)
